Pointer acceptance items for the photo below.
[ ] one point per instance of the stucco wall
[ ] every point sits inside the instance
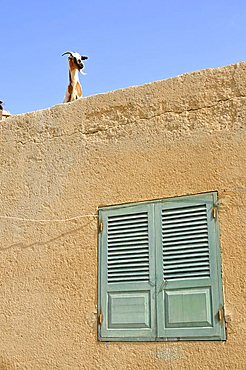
(180, 136)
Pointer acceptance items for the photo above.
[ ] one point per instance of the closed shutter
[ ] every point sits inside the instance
(127, 273)
(188, 276)
(160, 271)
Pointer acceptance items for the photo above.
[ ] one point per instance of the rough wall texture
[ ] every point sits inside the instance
(180, 136)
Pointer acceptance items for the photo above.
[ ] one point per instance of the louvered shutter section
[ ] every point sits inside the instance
(127, 273)
(189, 292)
(185, 243)
(128, 248)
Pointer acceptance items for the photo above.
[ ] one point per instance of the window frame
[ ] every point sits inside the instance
(217, 251)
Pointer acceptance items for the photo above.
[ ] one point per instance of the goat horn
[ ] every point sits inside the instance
(67, 52)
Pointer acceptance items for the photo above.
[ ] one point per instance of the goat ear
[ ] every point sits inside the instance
(83, 57)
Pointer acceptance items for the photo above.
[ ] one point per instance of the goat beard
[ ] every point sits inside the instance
(82, 72)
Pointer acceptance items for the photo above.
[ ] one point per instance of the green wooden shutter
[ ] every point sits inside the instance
(127, 273)
(189, 292)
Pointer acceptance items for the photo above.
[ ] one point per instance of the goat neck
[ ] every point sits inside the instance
(74, 90)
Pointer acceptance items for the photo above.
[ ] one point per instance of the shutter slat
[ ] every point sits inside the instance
(128, 262)
(172, 256)
(121, 255)
(179, 211)
(188, 275)
(131, 273)
(185, 215)
(186, 220)
(182, 246)
(127, 218)
(186, 225)
(124, 278)
(185, 235)
(129, 238)
(177, 261)
(128, 251)
(172, 230)
(186, 272)
(127, 270)
(127, 226)
(185, 232)
(186, 267)
(181, 238)
(128, 231)
(138, 243)
(180, 252)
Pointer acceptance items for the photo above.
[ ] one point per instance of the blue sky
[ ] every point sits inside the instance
(128, 42)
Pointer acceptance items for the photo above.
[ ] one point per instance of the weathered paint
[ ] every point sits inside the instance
(180, 136)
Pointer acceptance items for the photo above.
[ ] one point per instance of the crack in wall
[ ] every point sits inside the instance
(58, 237)
(95, 130)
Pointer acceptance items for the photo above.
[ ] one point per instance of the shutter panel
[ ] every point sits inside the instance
(188, 274)
(185, 243)
(127, 273)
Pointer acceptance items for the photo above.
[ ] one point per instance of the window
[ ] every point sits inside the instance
(159, 271)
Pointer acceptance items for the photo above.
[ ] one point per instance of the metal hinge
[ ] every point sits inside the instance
(221, 313)
(215, 212)
(100, 318)
(100, 227)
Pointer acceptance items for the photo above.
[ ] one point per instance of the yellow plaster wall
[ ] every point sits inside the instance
(180, 136)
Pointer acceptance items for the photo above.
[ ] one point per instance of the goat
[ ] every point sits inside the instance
(74, 90)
